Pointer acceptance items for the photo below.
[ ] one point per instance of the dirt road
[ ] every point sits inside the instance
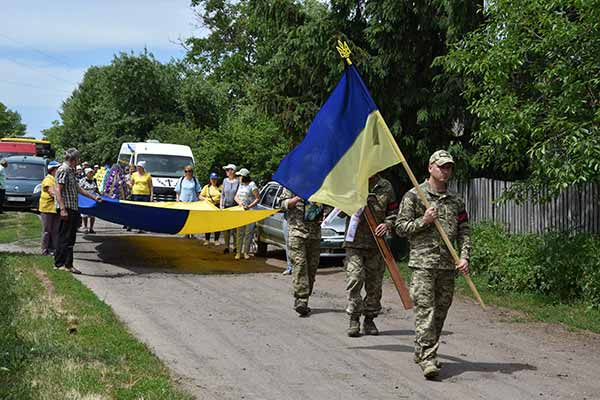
(227, 330)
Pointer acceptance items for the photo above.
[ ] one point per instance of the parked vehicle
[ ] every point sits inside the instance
(24, 175)
(42, 148)
(8, 149)
(164, 161)
(270, 230)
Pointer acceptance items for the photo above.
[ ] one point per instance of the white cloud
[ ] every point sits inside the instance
(74, 25)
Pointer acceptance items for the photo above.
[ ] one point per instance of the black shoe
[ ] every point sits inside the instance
(301, 307)
(369, 327)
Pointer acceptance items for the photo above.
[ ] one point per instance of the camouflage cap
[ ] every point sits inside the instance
(441, 157)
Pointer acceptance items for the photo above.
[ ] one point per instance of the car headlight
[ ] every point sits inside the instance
(37, 189)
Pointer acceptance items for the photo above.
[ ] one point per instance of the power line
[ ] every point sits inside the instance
(36, 50)
(14, 83)
(34, 68)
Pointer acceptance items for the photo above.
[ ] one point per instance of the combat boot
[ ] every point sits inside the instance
(301, 307)
(369, 327)
(430, 370)
(436, 361)
(354, 326)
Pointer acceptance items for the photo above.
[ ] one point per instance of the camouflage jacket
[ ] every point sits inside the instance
(381, 196)
(298, 226)
(427, 249)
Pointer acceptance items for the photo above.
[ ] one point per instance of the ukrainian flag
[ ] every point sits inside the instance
(347, 142)
(171, 217)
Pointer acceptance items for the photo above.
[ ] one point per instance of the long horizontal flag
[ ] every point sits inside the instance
(347, 142)
(171, 217)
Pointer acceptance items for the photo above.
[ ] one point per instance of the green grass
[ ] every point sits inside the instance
(19, 227)
(534, 307)
(39, 359)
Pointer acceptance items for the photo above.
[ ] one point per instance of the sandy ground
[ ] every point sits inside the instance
(227, 330)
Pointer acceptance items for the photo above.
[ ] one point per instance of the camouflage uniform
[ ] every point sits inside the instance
(304, 239)
(432, 284)
(364, 264)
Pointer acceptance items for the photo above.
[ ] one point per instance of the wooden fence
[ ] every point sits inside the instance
(575, 209)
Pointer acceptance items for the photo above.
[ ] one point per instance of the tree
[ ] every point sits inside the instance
(280, 55)
(10, 122)
(531, 78)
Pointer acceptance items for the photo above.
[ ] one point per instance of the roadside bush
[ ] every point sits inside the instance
(563, 266)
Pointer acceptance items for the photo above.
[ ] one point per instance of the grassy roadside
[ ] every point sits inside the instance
(534, 307)
(40, 359)
(19, 226)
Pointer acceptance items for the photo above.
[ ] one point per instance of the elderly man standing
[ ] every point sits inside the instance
(433, 269)
(66, 196)
(3, 164)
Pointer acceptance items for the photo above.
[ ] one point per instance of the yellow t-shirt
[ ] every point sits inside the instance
(141, 184)
(47, 204)
(211, 194)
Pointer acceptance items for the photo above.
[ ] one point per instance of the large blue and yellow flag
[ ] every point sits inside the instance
(347, 142)
(171, 217)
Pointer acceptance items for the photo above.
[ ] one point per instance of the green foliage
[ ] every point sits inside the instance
(531, 77)
(563, 266)
(280, 56)
(247, 139)
(133, 99)
(10, 123)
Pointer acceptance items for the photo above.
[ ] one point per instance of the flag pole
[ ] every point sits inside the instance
(344, 50)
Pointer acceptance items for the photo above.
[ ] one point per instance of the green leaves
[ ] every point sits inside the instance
(530, 77)
(10, 123)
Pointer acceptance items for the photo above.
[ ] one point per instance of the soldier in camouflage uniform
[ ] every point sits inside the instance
(433, 269)
(364, 263)
(304, 239)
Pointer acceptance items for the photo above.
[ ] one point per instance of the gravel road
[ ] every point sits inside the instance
(227, 330)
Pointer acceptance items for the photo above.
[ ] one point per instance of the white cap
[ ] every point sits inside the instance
(78, 167)
(243, 172)
(88, 170)
(230, 166)
(141, 164)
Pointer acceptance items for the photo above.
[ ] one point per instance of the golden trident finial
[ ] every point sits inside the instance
(344, 50)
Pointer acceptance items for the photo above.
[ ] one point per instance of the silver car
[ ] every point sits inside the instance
(270, 231)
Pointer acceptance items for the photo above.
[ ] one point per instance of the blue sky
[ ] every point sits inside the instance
(46, 46)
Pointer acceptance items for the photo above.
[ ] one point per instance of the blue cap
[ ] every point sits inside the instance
(213, 175)
(53, 164)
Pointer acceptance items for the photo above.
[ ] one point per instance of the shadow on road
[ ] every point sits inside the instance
(146, 254)
(458, 365)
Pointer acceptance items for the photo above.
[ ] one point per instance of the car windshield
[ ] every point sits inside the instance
(34, 172)
(165, 165)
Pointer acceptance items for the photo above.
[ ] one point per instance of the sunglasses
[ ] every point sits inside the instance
(188, 170)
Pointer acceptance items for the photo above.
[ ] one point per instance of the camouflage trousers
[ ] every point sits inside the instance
(364, 268)
(304, 255)
(431, 291)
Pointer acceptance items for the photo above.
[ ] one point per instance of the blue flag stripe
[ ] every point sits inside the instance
(333, 131)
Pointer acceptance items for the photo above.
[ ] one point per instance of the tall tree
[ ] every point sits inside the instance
(531, 77)
(10, 122)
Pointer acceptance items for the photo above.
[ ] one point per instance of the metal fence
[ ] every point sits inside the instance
(575, 209)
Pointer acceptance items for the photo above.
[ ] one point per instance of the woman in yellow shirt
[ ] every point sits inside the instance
(48, 215)
(141, 184)
(212, 194)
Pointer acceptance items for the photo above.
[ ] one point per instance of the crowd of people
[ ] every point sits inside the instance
(133, 182)
(432, 283)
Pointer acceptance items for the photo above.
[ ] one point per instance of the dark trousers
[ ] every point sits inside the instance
(215, 234)
(140, 197)
(2, 196)
(67, 233)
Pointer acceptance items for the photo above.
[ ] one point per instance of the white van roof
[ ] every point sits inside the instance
(163, 148)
